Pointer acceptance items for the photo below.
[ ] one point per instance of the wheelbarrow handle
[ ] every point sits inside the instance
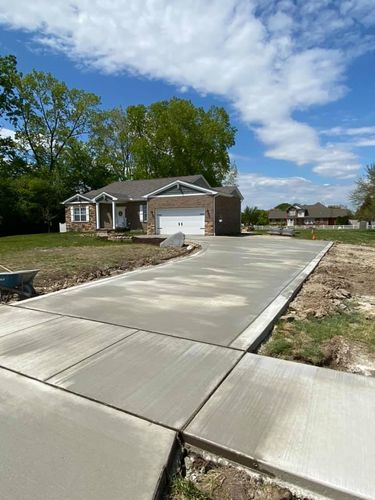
(6, 269)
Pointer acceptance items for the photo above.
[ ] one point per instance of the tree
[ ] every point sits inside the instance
(8, 101)
(49, 116)
(111, 138)
(79, 170)
(231, 177)
(254, 216)
(167, 138)
(363, 196)
(283, 206)
(8, 97)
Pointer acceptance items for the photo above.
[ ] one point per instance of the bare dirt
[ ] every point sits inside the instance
(212, 481)
(346, 272)
(343, 283)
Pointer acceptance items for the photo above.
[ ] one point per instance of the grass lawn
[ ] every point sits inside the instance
(307, 340)
(351, 236)
(183, 489)
(65, 259)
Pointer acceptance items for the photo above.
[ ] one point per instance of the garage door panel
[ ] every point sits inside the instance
(186, 220)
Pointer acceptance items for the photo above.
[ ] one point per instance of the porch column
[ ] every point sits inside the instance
(97, 215)
(113, 215)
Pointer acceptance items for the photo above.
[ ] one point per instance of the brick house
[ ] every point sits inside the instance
(158, 206)
(305, 215)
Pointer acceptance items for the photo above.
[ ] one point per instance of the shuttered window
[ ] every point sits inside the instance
(143, 213)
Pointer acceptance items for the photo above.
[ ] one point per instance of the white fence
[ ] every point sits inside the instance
(309, 227)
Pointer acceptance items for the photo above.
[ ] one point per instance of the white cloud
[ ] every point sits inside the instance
(354, 137)
(268, 58)
(6, 132)
(267, 192)
(236, 156)
(337, 131)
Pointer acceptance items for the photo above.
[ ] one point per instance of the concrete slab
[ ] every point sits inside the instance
(211, 297)
(56, 445)
(257, 331)
(310, 425)
(48, 348)
(15, 319)
(160, 378)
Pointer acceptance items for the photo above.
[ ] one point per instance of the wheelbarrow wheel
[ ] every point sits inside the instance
(6, 295)
(28, 291)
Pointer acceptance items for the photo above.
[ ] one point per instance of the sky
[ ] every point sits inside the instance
(296, 77)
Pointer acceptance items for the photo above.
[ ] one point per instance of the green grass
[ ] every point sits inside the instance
(183, 489)
(351, 236)
(303, 340)
(49, 240)
(75, 256)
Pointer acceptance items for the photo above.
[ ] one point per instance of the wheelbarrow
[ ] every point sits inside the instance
(20, 282)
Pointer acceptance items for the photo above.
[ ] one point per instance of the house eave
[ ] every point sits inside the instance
(77, 195)
(200, 189)
(103, 193)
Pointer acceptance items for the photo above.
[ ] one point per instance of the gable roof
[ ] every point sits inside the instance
(229, 190)
(123, 191)
(136, 190)
(320, 210)
(179, 183)
(316, 210)
(276, 213)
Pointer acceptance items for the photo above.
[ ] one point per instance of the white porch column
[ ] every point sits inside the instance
(113, 215)
(97, 215)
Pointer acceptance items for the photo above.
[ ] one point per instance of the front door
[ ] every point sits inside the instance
(120, 217)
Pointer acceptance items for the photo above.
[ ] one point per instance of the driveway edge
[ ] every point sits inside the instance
(174, 260)
(257, 331)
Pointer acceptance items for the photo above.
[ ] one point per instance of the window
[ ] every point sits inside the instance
(143, 213)
(80, 214)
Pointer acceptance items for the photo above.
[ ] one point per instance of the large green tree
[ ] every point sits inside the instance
(111, 139)
(167, 138)
(50, 115)
(363, 196)
(41, 165)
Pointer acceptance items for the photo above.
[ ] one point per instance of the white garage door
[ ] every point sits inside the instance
(186, 220)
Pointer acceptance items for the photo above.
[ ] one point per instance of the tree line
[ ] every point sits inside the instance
(65, 142)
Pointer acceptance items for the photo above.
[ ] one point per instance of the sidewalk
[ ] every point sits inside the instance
(313, 427)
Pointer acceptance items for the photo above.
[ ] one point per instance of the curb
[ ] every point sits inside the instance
(258, 330)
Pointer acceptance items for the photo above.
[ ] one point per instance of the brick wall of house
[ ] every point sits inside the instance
(90, 225)
(132, 216)
(227, 215)
(206, 202)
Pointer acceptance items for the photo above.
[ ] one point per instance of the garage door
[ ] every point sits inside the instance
(186, 220)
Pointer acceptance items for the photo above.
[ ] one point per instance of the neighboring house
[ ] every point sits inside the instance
(300, 215)
(158, 206)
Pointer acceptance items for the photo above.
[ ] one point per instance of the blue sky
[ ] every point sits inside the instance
(297, 77)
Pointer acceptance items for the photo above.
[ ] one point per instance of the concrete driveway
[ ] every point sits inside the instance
(97, 381)
(210, 297)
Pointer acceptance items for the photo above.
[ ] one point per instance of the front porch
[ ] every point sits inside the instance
(116, 214)
(110, 216)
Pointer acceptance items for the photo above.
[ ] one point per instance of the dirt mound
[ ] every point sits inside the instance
(346, 272)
